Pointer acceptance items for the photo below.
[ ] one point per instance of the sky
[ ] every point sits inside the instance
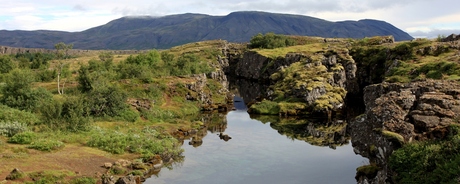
(420, 18)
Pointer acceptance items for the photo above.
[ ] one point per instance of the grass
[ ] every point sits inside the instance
(281, 52)
(265, 107)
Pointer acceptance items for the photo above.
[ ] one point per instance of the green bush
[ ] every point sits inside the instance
(74, 114)
(46, 145)
(270, 41)
(9, 114)
(428, 162)
(18, 93)
(10, 129)
(106, 100)
(46, 75)
(6, 64)
(69, 115)
(22, 138)
(130, 115)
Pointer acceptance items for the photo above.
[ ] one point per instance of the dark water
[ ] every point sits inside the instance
(257, 153)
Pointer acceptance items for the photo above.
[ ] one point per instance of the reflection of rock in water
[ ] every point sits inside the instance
(246, 89)
(196, 141)
(314, 131)
(213, 122)
(224, 137)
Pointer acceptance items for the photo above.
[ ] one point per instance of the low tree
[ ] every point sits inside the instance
(62, 53)
(6, 64)
(106, 100)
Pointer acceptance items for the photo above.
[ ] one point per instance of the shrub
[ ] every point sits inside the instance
(10, 129)
(46, 145)
(46, 75)
(6, 64)
(17, 91)
(130, 115)
(22, 138)
(69, 115)
(270, 41)
(428, 162)
(106, 100)
(74, 114)
(9, 114)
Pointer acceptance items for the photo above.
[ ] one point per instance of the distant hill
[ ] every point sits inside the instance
(167, 31)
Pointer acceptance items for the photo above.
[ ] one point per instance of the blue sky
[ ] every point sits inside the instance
(417, 17)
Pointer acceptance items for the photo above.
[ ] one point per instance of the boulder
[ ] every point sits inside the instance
(130, 179)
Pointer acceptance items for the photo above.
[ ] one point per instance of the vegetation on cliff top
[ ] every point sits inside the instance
(406, 61)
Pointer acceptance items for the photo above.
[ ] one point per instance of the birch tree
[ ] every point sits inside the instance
(62, 53)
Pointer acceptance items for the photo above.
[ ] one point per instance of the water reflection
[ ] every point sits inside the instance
(315, 131)
(260, 152)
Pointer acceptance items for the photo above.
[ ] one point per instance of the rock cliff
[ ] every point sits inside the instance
(400, 113)
(319, 79)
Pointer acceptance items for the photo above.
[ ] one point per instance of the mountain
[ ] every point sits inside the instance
(167, 31)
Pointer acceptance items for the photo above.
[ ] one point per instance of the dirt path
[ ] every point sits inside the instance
(84, 161)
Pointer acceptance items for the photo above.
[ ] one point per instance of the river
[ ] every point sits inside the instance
(257, 153)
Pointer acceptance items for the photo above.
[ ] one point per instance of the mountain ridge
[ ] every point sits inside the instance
(148, 32)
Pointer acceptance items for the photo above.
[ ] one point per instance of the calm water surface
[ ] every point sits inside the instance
(259, 154)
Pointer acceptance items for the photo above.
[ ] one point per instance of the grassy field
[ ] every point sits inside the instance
(115, 107)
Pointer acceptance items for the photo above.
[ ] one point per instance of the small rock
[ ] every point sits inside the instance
(123, 163)
(107, 165)
(130, 179)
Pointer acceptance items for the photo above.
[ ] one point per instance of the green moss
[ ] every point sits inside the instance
(117, 170)
(392, 136)
(265, 107)
(292, 109)
(370, 171)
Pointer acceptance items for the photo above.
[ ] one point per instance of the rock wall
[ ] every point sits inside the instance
(399, 113)
(18, 50)
(339, 72)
